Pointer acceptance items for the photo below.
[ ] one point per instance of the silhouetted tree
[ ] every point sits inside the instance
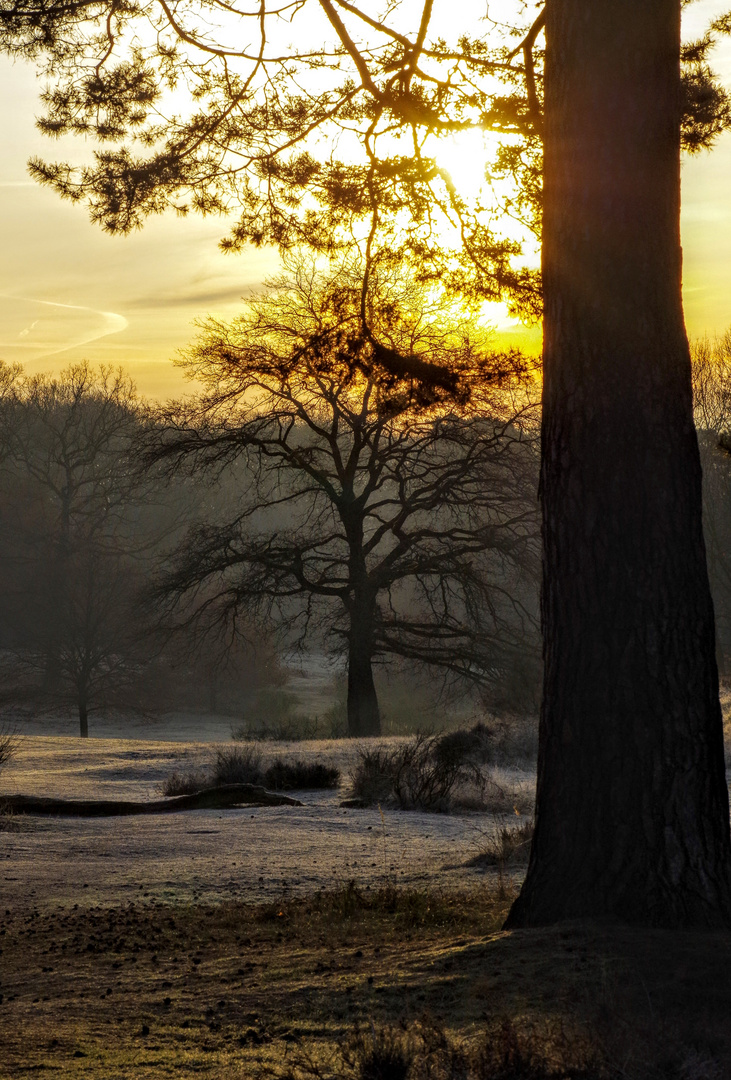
(398, 515)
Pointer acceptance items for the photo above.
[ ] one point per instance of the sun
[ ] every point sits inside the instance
(465, 156)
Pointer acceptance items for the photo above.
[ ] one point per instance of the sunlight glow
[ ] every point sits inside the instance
(464, 156)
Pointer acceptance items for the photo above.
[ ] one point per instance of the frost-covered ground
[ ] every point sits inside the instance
(243, 854)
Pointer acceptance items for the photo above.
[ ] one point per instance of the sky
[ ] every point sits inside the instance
(68, 291)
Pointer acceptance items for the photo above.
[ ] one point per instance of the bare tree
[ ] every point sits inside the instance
(397, 513)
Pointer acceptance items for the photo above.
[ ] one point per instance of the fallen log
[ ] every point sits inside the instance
(216, 798)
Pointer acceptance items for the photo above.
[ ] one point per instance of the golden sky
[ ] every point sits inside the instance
(69, 291)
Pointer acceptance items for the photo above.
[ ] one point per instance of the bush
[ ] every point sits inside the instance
(422, 774)
(283, 775)
(515, 740)
(464, 747)
(274, 717)
(237, 765)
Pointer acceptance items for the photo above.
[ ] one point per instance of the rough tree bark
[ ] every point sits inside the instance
(632, 816)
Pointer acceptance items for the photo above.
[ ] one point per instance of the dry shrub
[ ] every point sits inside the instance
(462, 746)
(297, 728)
(284, 775)
(236, 765)
(424, 773)
(515, 740)
(243, 765)
(372, 776)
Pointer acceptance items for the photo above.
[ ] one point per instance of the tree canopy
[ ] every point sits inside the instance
(207, 106)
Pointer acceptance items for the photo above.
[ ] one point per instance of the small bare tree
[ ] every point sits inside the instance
(393, 505)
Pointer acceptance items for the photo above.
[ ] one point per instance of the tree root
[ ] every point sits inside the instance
(217, 798)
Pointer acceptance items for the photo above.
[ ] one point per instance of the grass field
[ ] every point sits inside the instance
(152, 990)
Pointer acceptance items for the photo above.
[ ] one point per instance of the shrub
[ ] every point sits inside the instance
(464, 747)
(283, 775)
(372, 776)
(242, 765)
(236, 765)
(422, 774)
(290, 729)
(515, 740)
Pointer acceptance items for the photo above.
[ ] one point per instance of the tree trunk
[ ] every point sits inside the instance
(632, 815)
(83, 719)
(364, 718)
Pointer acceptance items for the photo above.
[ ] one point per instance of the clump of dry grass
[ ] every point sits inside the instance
(426, 1051)
(236, 765)
(185, 783)
(508, 846)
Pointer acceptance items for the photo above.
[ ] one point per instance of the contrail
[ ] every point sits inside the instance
(112, 322)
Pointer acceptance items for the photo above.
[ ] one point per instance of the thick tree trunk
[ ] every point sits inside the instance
(632, 816)
(364, 718)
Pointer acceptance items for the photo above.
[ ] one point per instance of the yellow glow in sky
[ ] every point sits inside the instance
(69, 291)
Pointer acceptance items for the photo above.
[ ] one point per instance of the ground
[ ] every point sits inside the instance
(252, 854)
(241, 943)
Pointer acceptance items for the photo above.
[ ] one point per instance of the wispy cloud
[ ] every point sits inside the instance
(227, 295)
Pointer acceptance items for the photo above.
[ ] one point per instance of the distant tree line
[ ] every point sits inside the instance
(82, 534)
